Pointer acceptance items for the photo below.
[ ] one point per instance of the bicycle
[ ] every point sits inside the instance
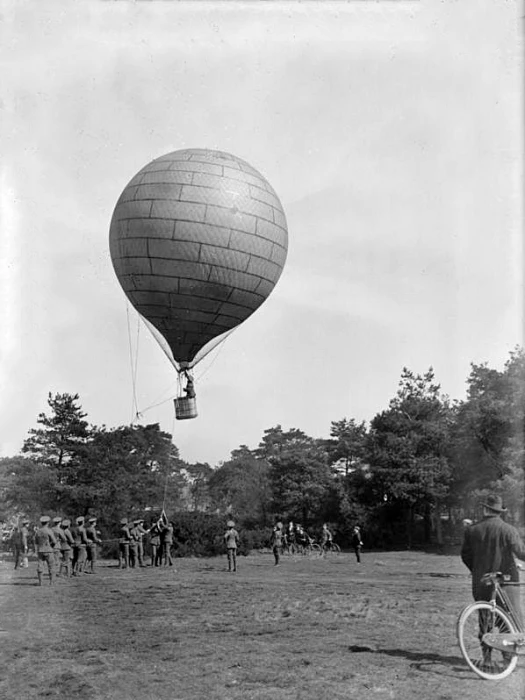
(330, 548)
(307, 548)
(490, 633)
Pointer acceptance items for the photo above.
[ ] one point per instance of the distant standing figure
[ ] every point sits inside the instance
(491, 545)
(141, 531)
(167, 543)
(91, 549)
(59, 534)
(277, 541)
(123, 544)
(290, 536)
(45, 542)
(19, 543)
(66, 547)
(326, 538)
(154, 542)
(134, 536)
(357, 543)
(79, 548)
(231, 540)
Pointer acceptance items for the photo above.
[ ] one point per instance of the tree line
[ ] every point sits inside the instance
(407, 478)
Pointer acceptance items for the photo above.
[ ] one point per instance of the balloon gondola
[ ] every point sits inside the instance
(198, 240)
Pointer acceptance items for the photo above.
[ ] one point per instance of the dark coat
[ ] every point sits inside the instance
(489, 546)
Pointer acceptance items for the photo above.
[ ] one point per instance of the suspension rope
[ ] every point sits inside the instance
(221, 347)
(134, 406)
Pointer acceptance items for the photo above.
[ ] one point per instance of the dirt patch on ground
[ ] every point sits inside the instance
(310, 629)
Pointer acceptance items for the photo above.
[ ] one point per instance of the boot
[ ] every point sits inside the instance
(39, 578)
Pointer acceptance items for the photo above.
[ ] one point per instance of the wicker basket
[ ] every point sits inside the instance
(185, 408)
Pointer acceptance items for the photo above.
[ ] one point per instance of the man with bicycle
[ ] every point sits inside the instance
(491, 545)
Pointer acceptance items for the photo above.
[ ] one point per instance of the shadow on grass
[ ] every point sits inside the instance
(19, 583)
(422, 661)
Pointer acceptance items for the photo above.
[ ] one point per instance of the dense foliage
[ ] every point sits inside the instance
(409, 477)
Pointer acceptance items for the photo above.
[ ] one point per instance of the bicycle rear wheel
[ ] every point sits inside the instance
(475, 621)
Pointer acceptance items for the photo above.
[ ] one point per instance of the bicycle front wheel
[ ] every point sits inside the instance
(474, 622)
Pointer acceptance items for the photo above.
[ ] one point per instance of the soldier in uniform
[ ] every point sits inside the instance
(134, 536)
(139, 528)
(91, 549)
(45, 542)
(167, 543)
(231, 540)
(19, 543)
(59, 534)
(66, 548)
(357, 543)
(123, 544)
(155, 544)
(79, 547)
(277, 541)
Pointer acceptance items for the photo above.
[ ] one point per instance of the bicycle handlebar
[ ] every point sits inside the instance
(501, 578)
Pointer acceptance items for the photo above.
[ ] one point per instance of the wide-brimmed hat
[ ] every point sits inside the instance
(124, 521)
(80, 519)
(92, 520)
(57, 519)
(44, 519)
(230, 523)
(493, 502)
(66, 522)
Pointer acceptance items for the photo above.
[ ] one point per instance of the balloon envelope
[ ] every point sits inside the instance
(198, 240)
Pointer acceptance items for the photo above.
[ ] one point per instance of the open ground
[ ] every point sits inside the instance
(309, 629)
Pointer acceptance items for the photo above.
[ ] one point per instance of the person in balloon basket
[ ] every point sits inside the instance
(19, 543)
(189, 389)
(491, 545)
(357, 543)
(45, 543)
(277, 542)
(66, 548)
(231, 540)
(91, 548)
(123, 544)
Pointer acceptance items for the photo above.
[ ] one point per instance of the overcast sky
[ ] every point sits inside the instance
(392, 133)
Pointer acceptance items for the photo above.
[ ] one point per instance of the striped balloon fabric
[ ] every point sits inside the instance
(198, 240)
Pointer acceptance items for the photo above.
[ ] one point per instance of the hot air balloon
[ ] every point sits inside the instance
(198, 240)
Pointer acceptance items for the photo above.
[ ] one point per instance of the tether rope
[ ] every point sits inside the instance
(134, 407)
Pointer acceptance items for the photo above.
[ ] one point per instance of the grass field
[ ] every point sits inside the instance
(310, 629)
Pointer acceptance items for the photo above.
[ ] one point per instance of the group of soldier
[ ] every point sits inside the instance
(65, 550)
(131, 543)
(62, 549)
